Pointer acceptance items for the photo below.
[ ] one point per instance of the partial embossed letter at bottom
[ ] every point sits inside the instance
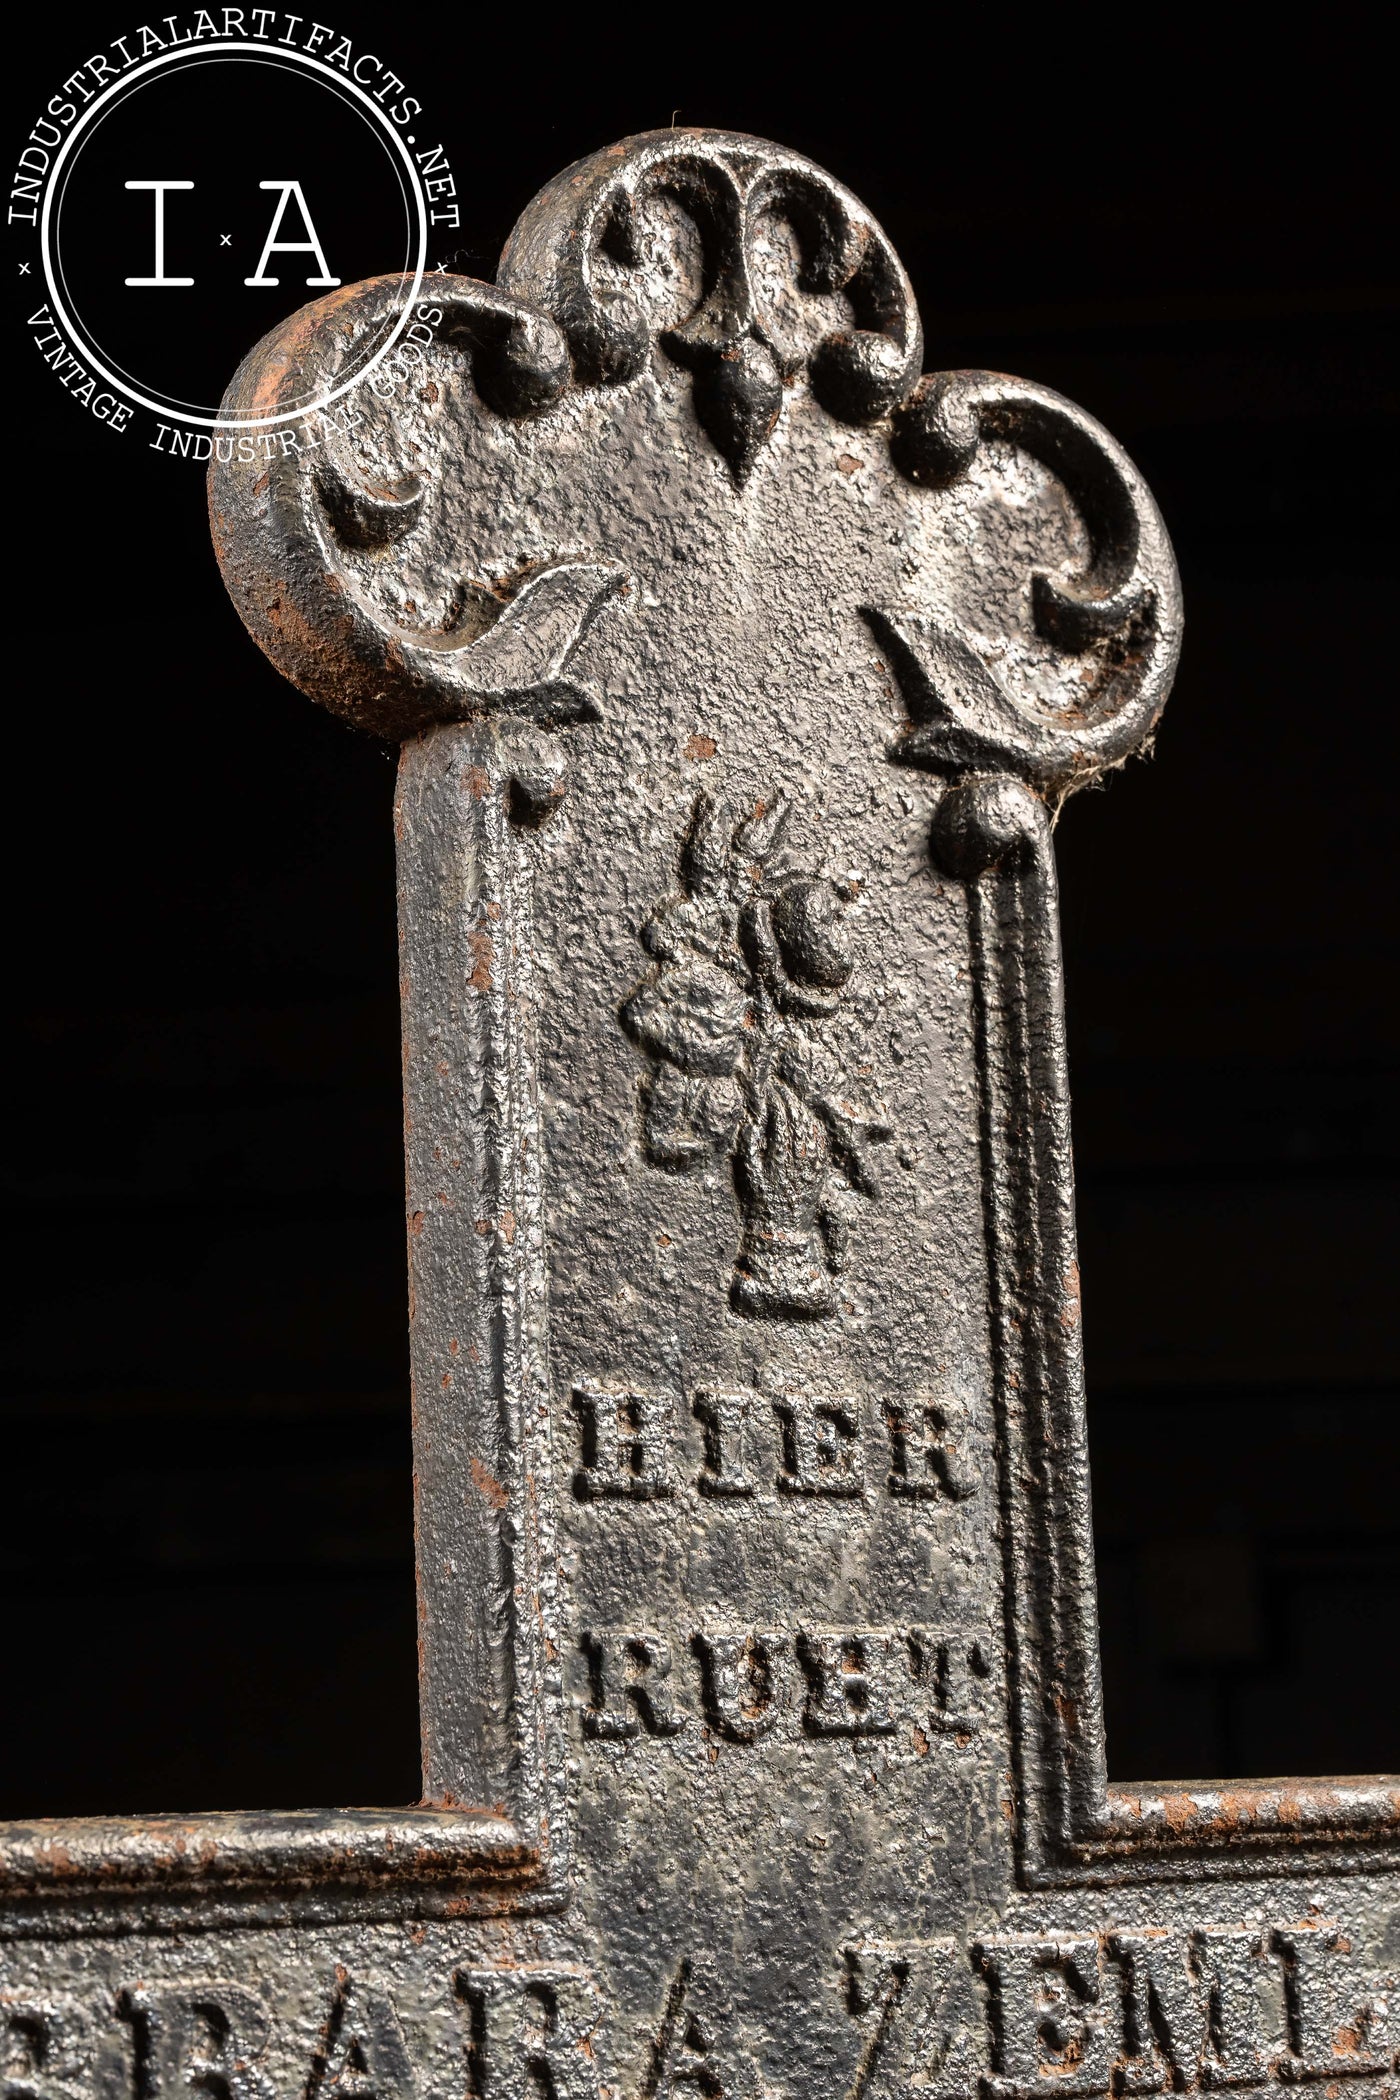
(740, 672)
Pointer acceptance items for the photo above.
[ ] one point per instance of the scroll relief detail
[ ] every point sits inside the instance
(752, 961)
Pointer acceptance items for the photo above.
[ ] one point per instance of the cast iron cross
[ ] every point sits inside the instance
(740, 673)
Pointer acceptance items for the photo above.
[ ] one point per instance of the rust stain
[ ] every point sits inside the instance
(700, 747)
(508, 1227)
(1068, 1712)
(1180, 1812)
(477, 782)
(1069, 1318)
(415, 1223)
(488, 1485)
(849, 464)
(483, 951)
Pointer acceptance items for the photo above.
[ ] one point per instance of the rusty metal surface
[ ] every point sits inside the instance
(740, 674)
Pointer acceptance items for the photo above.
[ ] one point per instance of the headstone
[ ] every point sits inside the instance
(740, 675)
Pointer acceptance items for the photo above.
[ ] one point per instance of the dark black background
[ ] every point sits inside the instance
(206, 1545)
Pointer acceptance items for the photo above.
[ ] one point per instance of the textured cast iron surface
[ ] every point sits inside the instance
(740, 673)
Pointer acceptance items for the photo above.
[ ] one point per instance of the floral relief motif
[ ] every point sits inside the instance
(751, 957)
